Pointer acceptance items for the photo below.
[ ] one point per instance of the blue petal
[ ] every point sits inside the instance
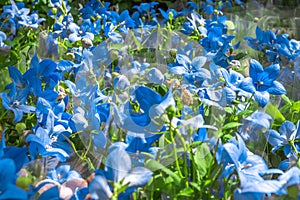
(262, 98)
(17, 154)
(155, 76)
(137, 177)
(16, 76)
(13, 192)
(247, 85)
(118, 165)
(255, 69)
(274, 138)
(152, 97)
(7, 172)
(269, 75)
(238, 194)
(276, 89)
(52, 193)
(266, 186)
(18, 115)
(290, 177)
(287, 129)
(178, 70)
(198, 62)
(99, 188)
(47, 66)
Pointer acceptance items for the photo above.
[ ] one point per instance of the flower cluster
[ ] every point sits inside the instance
(145, 104)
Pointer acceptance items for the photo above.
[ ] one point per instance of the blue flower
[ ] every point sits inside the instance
(41, 143)
(32, 20)
(8, 188)
(137, 145)
(62, 173)
(254, 124)
(15, 101)
(151, 108)
(262, 82)
(3, 37)
(11, 161)
(191, 70)
(288, 133)
(41, 72)
(118, 169)
(195, 24)
(250, 168)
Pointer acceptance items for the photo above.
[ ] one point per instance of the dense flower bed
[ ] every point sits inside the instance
(146, 104)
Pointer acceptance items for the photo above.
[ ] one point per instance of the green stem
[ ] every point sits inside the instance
(182, 140)
(249, 101)
(4, 114)
(88, 148)
(175, 151)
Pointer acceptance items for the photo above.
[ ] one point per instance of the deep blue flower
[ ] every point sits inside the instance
(15, 101)
(233, 80)
(151, 108)
(167, 14)
(262, 82)
(8, 188)
(14, 10)
(109, 31)
(263, 39)
(11, 161)
(41, 143)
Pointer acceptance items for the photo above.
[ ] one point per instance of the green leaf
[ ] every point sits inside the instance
(203, 159)
(153, 165)
(240, 56)
(231, 125)
(9, 43)
(196, 186)
(293, 191)
(275, 113)
(241, 69)
(230, 25)
(245, 113)
(229, 110)
(296, 106)
(186, 192)
(286, 99)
